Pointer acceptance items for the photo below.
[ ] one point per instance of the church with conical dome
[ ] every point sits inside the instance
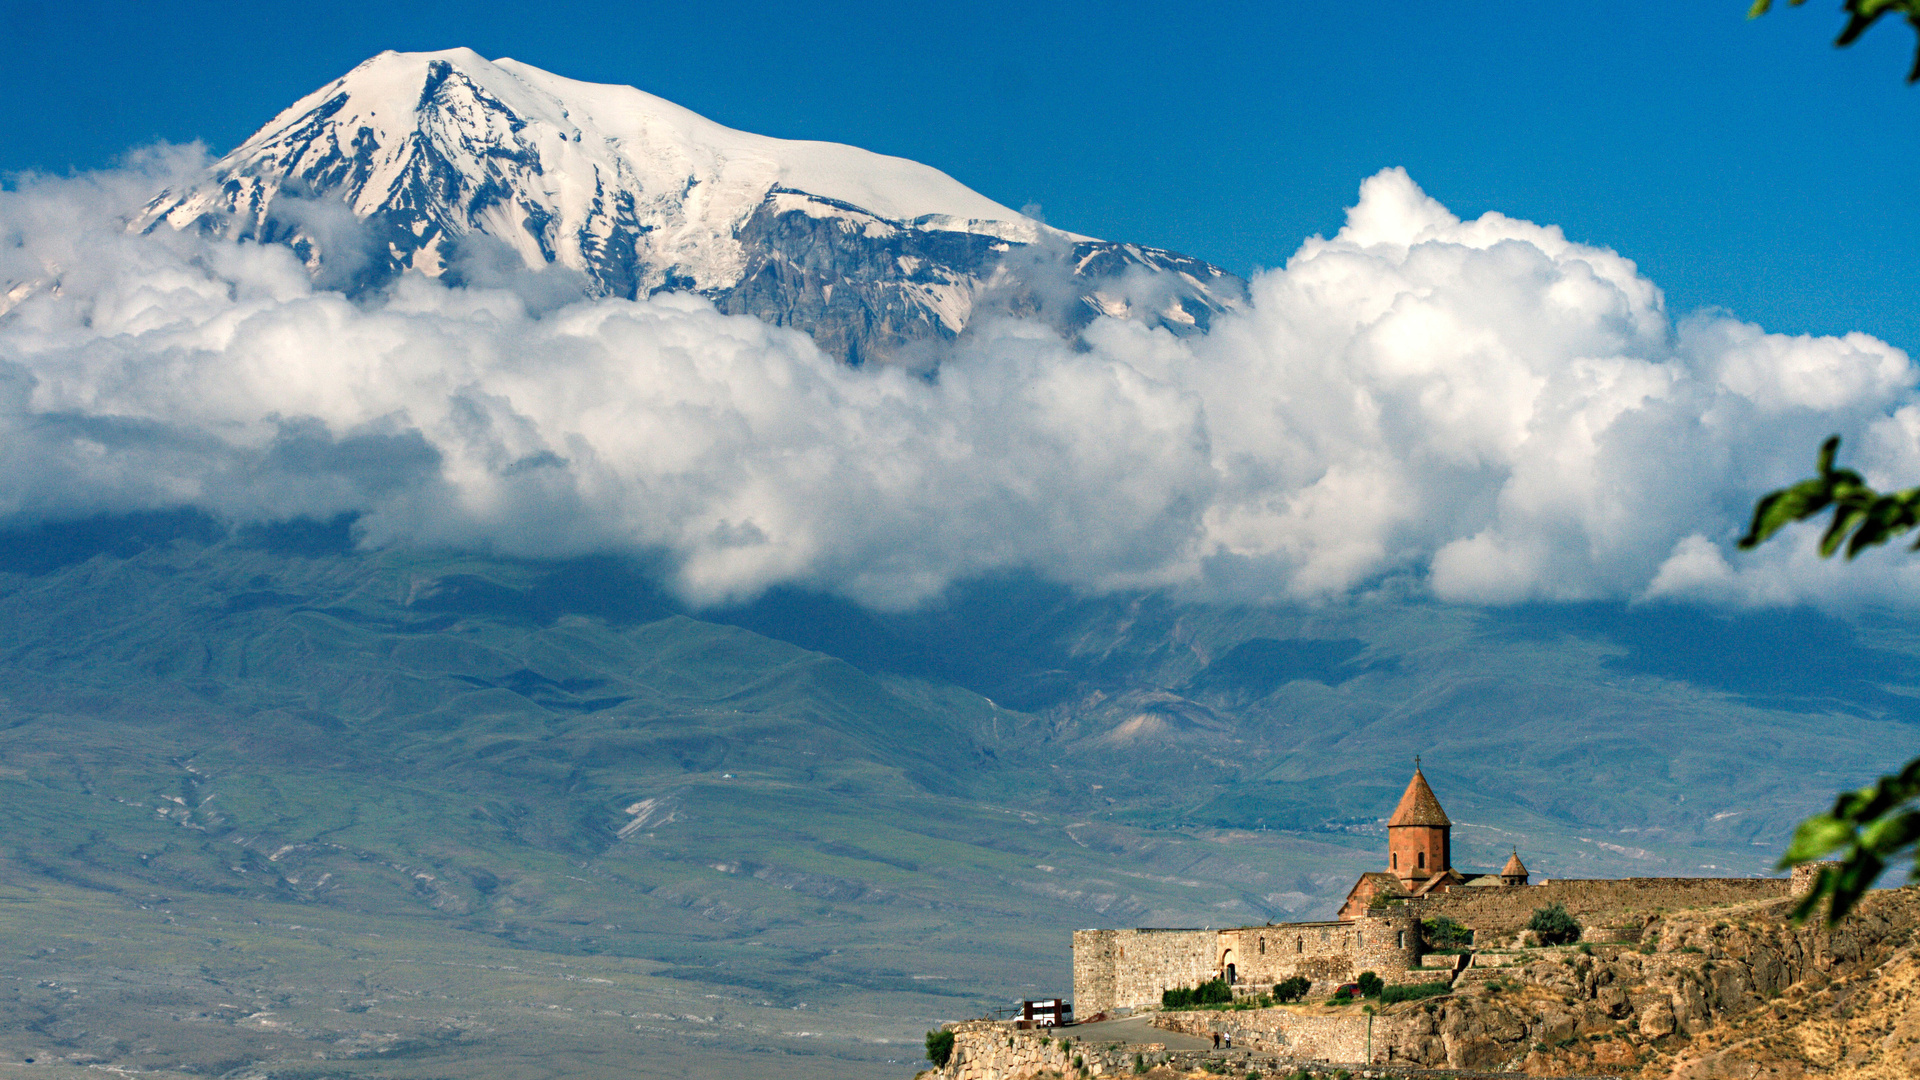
(1380, 924)
(1420, 856)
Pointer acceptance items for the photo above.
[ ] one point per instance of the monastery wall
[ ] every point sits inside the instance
(1496, 913)
(1285, 1033)
(1290, 1045)
(1131, 968)
(1326, 952)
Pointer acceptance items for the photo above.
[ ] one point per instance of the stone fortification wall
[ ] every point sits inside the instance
(993, 1050)
(1283, 1033)
(1497, 913)
(1131, 968)
(1326, 952)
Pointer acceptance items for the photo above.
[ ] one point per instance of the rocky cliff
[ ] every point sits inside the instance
(1735, 993)
(1731, 992)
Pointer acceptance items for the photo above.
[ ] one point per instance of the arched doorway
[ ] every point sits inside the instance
(1227, 969)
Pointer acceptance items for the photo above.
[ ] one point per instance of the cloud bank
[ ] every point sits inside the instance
(1481, 411)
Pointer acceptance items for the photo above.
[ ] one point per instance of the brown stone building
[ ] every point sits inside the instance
(1419, 853)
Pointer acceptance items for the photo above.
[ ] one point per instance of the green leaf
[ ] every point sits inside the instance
(1784, 507)
(1891, 833)
(1856, 876)
(1845, 519)
(1815, 839)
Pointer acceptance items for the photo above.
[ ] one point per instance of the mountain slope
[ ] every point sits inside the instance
(259, 768)
(533, 764)
(429, 151)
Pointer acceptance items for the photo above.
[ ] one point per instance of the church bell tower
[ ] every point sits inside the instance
(1419, 835)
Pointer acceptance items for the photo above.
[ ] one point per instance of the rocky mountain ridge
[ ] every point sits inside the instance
(435, 162)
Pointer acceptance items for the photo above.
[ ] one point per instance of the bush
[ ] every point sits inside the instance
(1214, 992)
(1341, 996)
(1370, 984)
(1293, 989)
(939, 1047)
(1553, 925)
(1412, 992)
(1444, 933)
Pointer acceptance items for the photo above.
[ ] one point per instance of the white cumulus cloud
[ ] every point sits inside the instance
(1480, 410)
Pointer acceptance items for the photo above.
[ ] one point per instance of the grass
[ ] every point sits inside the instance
(1412, 992)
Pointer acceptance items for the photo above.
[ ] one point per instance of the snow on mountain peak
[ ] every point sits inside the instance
(867, 253)
(561, 170)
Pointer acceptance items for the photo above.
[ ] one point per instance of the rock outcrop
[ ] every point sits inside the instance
(1736, 993)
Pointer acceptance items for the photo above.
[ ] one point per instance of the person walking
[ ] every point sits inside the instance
(1229, 1040)
(1216, 1040)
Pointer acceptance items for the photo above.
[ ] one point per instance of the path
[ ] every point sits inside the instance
(1137, 1029)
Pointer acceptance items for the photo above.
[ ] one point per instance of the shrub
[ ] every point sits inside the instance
(1341, 996)
(1412, 992)
(1444, 933)
(1370, 984)
(1293, 989)
(1214, 992)
(1554, 925)
(1139, 1063)
(939, 1047)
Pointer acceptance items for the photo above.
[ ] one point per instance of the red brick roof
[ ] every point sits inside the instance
(1418, 806)
(1514, 867)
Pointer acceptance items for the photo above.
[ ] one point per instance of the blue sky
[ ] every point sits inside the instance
(1744, 165)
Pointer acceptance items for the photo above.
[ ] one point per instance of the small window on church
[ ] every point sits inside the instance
(1403, 940)
(1300, 944)
(1396, 860)
(1263, 946)
(1423, 860)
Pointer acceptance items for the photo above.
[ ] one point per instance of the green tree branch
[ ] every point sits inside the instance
(1860, 15)
(1880, 823)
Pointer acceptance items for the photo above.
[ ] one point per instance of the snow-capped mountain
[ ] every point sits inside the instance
(863, 251)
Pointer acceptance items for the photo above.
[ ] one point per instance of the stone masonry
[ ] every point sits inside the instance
(1501, 913)
(1129, 969)
(1379, 931)
(994, 1050)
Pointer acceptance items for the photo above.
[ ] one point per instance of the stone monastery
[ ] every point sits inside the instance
(1379, 926)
